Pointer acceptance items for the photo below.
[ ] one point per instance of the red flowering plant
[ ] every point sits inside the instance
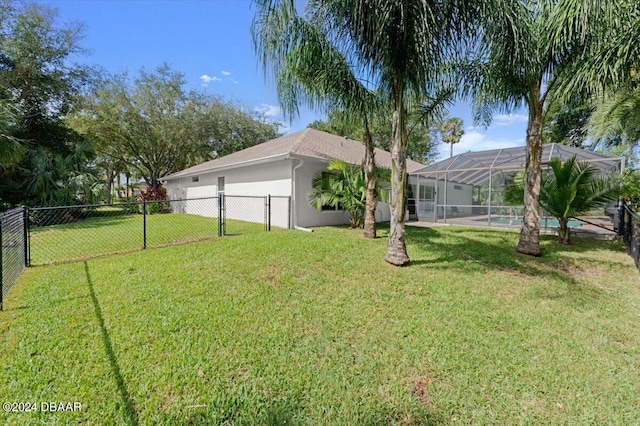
(155, 199)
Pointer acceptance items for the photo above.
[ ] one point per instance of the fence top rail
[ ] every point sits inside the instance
(247, 196)
(12, 212)
(173, 200)
(82, 206)
(633, 214)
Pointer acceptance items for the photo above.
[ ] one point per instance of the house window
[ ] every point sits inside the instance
(221, 184)
(195, 179)
(328, 208)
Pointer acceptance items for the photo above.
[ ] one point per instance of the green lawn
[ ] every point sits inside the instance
(299, 328)
(111, 231)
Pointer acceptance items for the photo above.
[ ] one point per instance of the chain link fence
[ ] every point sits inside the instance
(13, 242)
(70, 233)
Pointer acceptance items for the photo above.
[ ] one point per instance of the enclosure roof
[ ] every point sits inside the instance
(307, 143)
(472, 168)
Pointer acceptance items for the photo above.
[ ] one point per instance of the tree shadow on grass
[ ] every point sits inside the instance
(480, 250)
(86, 223)
(130, 415)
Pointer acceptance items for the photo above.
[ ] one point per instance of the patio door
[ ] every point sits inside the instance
(426, 200)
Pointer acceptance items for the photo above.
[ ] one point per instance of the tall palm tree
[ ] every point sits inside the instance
(402, 44)
(528, 53)
(310, 69)
(451, 132)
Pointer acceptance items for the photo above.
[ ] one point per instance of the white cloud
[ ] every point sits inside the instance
(509, 119)
(225, 72)
(268, 110)
(206, 79)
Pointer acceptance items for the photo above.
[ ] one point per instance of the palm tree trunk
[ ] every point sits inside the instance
(370, 176)
(397, 249)
(564, 233)
(529, 242)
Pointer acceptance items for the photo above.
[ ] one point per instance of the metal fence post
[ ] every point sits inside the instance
(26, 237)
(220, 200)
(621, 218)
(144, 224)
(1, 270)
(269, 212)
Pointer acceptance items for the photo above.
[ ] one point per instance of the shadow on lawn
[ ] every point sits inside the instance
(88, 223)
(478, 250)
(129, 408)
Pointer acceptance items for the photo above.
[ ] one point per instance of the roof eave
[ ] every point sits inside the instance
(263, 160)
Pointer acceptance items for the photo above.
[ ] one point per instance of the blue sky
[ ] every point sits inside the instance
(210, 42)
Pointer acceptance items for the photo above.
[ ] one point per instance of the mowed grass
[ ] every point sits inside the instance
(298, 328)
(120, 233)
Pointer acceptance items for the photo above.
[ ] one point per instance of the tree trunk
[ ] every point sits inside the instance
(529, 242)
(370, 176)
(564, 233)
(397, 250)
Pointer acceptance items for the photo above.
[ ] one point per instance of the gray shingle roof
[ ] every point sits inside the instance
(305, 143)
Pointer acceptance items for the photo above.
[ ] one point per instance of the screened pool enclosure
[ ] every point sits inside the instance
(469, 188)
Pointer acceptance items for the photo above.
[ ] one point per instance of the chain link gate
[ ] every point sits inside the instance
(13, 244)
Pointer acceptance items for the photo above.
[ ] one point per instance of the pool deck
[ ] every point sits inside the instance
(585, 230)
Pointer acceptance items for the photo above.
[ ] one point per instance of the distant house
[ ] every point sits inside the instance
(281, 167)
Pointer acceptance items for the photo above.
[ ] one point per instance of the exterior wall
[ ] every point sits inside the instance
(305, 215)
(273, 179)
(308, 216)
(254, 181)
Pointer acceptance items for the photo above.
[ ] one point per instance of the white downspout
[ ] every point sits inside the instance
(294, 200)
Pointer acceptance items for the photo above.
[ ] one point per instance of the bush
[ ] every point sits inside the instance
(156, 200)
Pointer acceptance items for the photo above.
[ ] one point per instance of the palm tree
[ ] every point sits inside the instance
(618, 115)
(568, 190)
(572, 189)
(402, 45)
(451, 132)
(344, 185)
(11, 149)
(528, 54)
(310, 69)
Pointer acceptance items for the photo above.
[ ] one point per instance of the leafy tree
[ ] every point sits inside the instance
(451, 131)
(39, 74)
(570, 189)
(567, 123)
(11, 149)
(56, 180)
(529, 54)
(311, 69)
(421, 146)
(631, 188)
(156, 128)
(344, 185)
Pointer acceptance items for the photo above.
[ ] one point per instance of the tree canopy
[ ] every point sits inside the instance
(156, 127)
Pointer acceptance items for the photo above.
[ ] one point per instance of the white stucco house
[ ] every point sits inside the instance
(281, 167)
